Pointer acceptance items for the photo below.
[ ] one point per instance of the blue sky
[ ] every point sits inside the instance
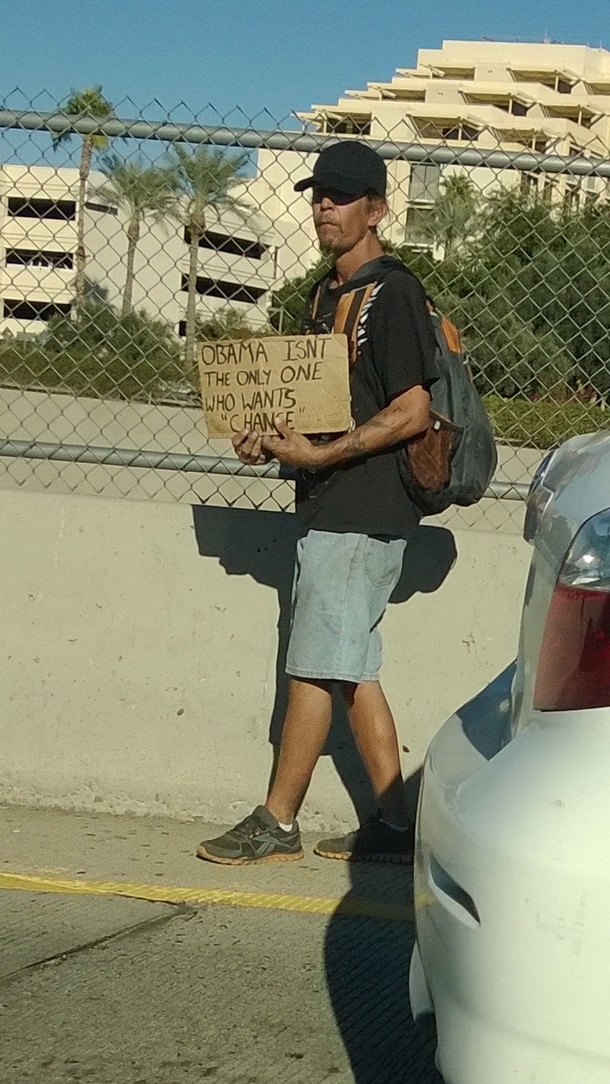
(278, 55)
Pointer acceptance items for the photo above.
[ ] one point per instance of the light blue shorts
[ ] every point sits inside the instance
(342, 585)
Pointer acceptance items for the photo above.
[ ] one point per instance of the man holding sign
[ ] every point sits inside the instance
(354, 520)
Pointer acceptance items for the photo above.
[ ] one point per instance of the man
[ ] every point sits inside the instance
(354, 521)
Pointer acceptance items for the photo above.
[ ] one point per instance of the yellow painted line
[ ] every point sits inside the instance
(314, 905)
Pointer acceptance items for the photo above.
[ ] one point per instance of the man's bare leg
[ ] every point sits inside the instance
(374, 730)
(306, 727)
(259, 838)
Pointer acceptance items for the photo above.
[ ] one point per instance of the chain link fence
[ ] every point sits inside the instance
(124, 242)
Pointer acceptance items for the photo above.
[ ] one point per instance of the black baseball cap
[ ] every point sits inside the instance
(350, 167)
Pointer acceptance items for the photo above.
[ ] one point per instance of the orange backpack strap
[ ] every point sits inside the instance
(452, 335)
(349, 311)
(315, 302)
(449, 330)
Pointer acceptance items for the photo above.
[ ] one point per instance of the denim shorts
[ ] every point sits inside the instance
(342, 585)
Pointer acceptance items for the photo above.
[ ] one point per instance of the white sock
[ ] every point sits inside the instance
(286, 827)
(395, 827)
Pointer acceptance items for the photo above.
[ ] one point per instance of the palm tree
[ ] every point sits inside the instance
(89, 102)
(452, 220)
(205, 177)
(139, 190)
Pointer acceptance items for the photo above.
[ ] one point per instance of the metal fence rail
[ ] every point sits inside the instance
(191, 464)
(61, 124)
(114, 263)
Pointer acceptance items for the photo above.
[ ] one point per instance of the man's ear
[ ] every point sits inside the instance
(377, 211)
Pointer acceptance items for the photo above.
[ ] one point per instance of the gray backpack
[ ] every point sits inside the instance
(454, 461)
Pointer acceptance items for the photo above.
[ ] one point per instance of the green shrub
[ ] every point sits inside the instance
(543, 423)
(288, 303)
(97, 353)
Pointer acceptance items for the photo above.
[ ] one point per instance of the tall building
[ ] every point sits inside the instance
(38, 238)
(486, 93)
(542, 97)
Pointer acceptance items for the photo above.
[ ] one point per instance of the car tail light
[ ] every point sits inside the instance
(574, 662)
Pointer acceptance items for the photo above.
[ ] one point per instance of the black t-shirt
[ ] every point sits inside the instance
(395, 352)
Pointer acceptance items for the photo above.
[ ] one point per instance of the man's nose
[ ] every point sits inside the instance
(326, 202)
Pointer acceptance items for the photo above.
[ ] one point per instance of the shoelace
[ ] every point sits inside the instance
(248, 826)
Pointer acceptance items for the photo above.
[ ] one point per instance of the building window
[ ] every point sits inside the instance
(33, 310)
(456, 73)
(508, 105)
(63, 209)
(571, 199)
(465, 133)
(228, 291)
(417, 231)
(102, 207)
(581, 117)
(431, 129)
(553, 80)
(529, 184)
(405, 94)
(25, 257)
(234, 246)
(360, 126)
(424, 183)
(550, 189)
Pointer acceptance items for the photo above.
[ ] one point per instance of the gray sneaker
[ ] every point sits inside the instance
(374, 841)
(258, 838)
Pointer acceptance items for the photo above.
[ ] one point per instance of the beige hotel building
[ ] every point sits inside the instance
(542, 97)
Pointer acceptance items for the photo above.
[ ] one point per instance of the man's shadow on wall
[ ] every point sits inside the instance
(366, 958)
(261, 545)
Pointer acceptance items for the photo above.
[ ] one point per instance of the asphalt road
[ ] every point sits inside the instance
(298, 975)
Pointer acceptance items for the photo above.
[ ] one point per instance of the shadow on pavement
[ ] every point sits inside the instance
(367, 972)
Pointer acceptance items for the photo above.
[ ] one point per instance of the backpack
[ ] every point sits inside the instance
(454, 461)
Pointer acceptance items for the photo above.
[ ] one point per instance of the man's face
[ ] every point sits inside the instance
(341, 221)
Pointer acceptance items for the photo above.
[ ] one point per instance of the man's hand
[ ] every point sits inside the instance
(292, 448)
(249, 448)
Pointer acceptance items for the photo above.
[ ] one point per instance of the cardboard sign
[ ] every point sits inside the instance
(302, 380)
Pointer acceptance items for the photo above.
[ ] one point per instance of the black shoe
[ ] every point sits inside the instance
(374, 841)
(258, 838)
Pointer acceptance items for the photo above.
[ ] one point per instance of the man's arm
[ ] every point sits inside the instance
(405, 417)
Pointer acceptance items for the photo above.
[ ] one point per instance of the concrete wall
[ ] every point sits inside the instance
(139, 648)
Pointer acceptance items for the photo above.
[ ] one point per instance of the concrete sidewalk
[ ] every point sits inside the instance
(294, 973)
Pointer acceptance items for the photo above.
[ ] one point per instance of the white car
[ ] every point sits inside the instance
(512, 872)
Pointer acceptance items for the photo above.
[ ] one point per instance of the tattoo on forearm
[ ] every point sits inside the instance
(355, 444)
(390, 426)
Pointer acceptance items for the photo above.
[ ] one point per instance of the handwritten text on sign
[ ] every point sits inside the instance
(301, 380)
